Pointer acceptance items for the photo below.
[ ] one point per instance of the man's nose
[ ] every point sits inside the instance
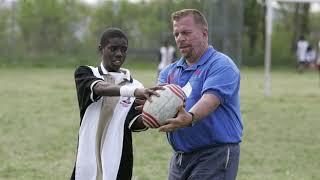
(180, 38)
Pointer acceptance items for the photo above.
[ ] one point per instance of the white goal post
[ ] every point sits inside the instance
(267, 56)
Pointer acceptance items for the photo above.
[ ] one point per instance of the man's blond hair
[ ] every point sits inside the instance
(198, 17)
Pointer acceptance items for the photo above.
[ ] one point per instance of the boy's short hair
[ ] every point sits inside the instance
(110, 33)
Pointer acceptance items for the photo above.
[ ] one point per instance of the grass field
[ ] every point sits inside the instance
(39, 123)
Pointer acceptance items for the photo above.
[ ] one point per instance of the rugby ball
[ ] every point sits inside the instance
(163, 107)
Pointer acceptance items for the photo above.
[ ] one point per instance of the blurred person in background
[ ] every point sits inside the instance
(311, 57)
(302, 45)
(318, 59)
(205, 134)
(108, 112)
(167, 54)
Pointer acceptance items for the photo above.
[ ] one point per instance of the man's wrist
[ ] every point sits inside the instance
(193, 119)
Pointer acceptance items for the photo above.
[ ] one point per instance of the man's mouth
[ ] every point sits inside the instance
(183, 47)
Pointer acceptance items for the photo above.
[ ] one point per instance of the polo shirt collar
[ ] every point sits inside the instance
(126, 72)
(209, 52)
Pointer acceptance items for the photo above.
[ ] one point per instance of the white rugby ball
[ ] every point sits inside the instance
(164, 107)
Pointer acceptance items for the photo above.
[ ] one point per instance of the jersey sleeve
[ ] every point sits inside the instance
(163, 76)
(85, 81)
(132, 118)
(223, 83)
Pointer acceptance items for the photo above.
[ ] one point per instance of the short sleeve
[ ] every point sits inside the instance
(85, 81)
(223, 83)
(132, 118)
(163, 76)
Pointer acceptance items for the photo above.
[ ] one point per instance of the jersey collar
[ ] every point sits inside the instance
(209, 52)
(126, 72)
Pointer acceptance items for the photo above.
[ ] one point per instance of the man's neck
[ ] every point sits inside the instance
(193, 60)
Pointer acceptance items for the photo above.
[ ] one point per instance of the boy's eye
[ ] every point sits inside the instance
(123, 49)
(112, 49)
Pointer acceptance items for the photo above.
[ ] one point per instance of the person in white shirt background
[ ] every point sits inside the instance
(302, 46)
(311, 57)
(167, 55)
(318, 60)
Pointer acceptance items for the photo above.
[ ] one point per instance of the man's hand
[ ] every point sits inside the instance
(183, 119)
(145, 93)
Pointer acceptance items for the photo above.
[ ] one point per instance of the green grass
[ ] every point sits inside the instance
(39, 123)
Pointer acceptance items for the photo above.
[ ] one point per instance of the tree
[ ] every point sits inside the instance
(45, 25)
(254, 22)
(298, 14)
(5, 28)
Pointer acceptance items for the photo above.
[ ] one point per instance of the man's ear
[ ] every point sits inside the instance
(205, 32)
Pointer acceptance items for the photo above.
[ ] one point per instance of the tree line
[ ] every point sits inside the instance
(46, 32)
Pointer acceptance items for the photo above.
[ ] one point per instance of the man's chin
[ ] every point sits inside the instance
(185, 56)
(184, 53)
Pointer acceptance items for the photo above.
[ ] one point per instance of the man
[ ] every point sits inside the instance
(106, 97)
(205, 135)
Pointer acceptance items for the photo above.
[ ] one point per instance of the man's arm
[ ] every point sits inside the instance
(207, 104)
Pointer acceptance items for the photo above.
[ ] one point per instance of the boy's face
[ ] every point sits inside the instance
(114, 54)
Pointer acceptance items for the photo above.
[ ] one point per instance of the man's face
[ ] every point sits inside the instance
(114, 54)
(191, 38)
